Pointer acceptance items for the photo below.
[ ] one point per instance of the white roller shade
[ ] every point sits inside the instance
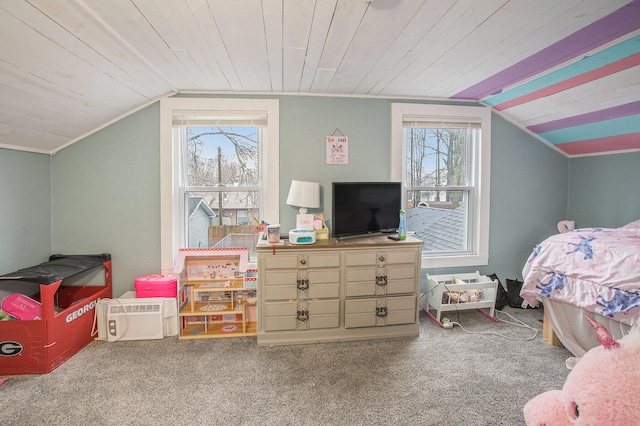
(426, 122)
(220, 119)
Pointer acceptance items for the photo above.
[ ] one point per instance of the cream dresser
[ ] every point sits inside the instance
(353, 289)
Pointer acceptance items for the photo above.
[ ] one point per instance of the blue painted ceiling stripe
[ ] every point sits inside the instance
(611, 27)
(600, 129)
(617, 111)
(589, 63)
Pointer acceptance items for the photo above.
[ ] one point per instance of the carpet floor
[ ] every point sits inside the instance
(443, 377)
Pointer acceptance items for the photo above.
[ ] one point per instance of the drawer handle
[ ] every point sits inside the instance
(302, 284)
(381, 280)
(381, 311)
(303, 315)
(381, 258)
(303, 261)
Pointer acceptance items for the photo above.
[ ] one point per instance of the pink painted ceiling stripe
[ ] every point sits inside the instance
(590, 117)
(615, 25)
(626, 63)
(602, 145)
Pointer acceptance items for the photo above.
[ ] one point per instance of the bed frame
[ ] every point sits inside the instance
(565, 325)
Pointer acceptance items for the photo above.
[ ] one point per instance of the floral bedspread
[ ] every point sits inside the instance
(597, 269)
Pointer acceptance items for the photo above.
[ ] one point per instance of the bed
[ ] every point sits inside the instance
(592, 270)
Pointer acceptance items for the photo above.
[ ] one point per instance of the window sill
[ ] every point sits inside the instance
(431, 262)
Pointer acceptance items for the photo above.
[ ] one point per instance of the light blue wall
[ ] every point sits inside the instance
(25, 209)
(106, 197)
(102, 194)
(604, 190)
(106, 187)
(305, 122)
(528, 198)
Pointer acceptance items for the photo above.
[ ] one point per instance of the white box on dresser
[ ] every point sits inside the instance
(354, 289)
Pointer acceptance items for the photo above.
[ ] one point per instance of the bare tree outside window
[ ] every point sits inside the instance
(210, 165)
(436, 158)
(222, 180)
(437, 182)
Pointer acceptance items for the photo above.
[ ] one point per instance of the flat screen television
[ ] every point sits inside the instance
(360, 208)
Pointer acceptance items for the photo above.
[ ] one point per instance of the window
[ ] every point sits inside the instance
(220, 175)
(219, 160)
(442, 155)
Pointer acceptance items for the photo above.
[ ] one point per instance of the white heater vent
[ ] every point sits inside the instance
(129, 318)
(135, 309)
(134, 322)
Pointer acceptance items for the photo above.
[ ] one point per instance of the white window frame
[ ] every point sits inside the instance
(170, 199)
(480, 205)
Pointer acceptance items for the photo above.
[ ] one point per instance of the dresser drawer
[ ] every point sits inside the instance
(327, 276)
(394, 280)
(401, 279)
(401, 272)
(302, 315)
(396, 257)
(380, 311)
(281, 261)
(360, 288)
(305, 260)
(312, 284)
(321, 291)
(280, 323)
(400, 286)
(360, 258)
(323, 314)
(360, 313)
(317, 260)
(369, 274)
(323, 321)
(280, 309)
(280, 292)
(273, 278)
(280, 316)
(401, 310)
(360, 274)
(401, 317)
(280, 285)
(401, 303)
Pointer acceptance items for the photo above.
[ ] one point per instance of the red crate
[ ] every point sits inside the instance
(39, 346)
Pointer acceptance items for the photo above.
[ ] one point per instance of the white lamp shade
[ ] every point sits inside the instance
(304, 194)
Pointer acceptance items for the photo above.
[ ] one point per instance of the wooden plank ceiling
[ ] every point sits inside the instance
(567, 71)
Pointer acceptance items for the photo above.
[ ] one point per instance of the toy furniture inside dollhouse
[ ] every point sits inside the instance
(217, 293)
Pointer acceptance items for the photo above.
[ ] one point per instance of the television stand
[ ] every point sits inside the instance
(356, 289)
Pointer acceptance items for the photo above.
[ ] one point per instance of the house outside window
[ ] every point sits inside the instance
(441, 154)
(219, 160)
(221, 175)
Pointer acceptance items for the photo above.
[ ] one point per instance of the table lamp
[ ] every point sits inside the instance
(304, 195)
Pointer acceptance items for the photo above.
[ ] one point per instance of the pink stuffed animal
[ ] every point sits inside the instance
(602, 389)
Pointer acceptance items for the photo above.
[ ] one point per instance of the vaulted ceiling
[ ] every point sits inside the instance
(566, 71)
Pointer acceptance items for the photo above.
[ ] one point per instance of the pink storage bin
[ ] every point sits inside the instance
(156, 285)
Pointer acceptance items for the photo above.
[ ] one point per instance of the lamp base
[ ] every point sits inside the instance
(304, 221)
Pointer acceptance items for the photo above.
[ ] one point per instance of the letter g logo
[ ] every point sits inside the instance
(9, 348)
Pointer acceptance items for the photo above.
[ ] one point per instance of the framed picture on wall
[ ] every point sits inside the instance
(337, 150)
